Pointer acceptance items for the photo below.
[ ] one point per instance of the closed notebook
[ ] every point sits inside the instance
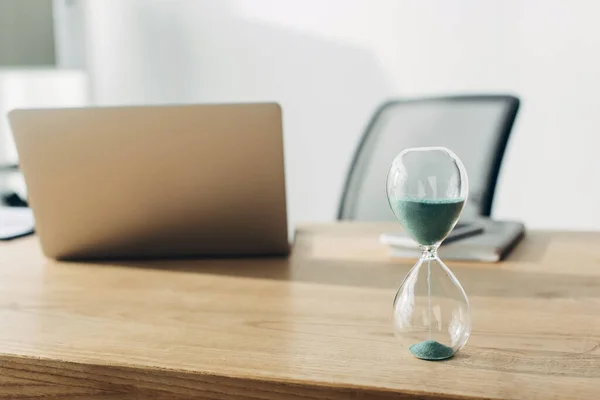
(492, 245)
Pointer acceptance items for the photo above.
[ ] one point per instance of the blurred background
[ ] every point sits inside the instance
(330, 64)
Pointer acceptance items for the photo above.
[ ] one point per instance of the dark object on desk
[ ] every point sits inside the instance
(13, 200)
(10, 199)
(9, 167)
(476, 128)
(495, 243)
(16, 220)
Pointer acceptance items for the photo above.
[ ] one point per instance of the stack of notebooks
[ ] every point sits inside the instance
(482, 240)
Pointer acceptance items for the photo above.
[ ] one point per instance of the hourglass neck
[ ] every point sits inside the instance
(429, 252)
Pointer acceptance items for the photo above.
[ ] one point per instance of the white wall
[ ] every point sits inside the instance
(330, 62)
(196, 51)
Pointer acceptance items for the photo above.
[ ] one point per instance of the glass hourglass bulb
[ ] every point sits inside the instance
(427, 189)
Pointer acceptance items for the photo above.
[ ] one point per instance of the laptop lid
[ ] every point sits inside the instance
(155, 181)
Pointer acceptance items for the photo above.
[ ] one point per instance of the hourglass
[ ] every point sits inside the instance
(427, 189)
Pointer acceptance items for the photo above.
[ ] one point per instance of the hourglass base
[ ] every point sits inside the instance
(431, 350)
(431, 313)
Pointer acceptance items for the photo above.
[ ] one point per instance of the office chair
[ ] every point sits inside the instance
(475, 127)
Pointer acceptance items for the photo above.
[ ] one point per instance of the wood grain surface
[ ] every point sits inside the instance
(316, 325)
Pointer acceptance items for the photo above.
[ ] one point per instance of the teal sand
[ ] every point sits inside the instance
(431, 350)
(428, 221)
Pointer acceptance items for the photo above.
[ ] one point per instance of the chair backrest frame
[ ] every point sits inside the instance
(512, 109)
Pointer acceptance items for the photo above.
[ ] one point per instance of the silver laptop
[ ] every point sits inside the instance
(155, 181)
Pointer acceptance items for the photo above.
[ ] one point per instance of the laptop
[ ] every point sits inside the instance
(155, 181)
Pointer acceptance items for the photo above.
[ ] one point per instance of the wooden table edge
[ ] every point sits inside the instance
(101, 380)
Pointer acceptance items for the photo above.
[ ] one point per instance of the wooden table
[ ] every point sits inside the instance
(316, 325)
